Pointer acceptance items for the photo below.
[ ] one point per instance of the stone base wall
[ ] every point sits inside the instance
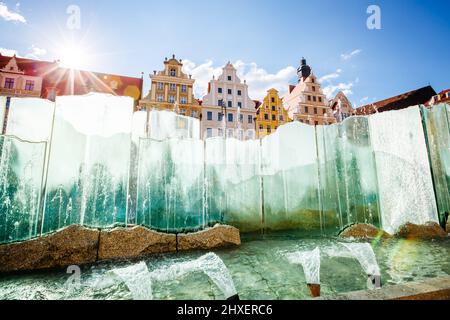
(77, 245)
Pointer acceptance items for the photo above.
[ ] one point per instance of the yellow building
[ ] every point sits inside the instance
(172, 90)
(270, 114)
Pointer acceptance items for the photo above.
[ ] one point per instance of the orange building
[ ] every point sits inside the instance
(270, 114)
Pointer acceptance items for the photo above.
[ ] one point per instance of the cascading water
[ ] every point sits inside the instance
(152, 169)
(139, 279)
(310, 261)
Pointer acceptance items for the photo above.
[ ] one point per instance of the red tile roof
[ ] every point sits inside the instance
(77, 82)
(405, 100)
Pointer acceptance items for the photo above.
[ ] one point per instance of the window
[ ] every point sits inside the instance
(209, 132)
(314, 99)
(220, 132)
(324, 111)
(184, 100)
(183, 112)
(266, 116)
(269, 129)
(316, 123)
(275, 128)
(261, 128)
(301, 120)
(309, 98)
(229, 78)
(160, 86)
(230, 117)
(220, 103)
(9, 83)
(239, 104)
(273, 100)
(306, 110)
(184, 88)
(160, 98)
(241, 118)
(313, 88)
(239, 92)
(194, 114)
(320, 99)
(313, 81)
(29, 85)
(220, 116)
(209, 116)
(219, 90)
(172, 87)
(448, 94)
(274, 108)
(230, 133)
(274, 117)
(173, 72)
(315, 110)
(250, 119)
(281, 118)
(230, 104)
(171, 99)
(230, 91)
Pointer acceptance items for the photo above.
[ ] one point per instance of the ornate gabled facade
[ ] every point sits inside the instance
(172, 90)
(14, 82)
(306, 102)
(270, 114)
(227, 106)
(341, 107)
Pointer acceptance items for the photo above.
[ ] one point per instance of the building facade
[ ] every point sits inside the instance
(172, 90)
(341, 107)
(227, 108)
(270, 114)
(306, 102)
(441, 97)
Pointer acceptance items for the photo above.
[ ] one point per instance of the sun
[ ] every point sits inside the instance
(73, 57)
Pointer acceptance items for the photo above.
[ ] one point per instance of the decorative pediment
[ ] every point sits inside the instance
(12, 67)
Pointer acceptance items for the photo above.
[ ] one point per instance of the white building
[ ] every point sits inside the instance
(228, 107)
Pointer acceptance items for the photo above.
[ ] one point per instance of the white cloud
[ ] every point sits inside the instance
(8, 15)
(331, 90)
(36, 52)
(348, 56)
(331, 76)
(8, 52)
(363, 100)
(258, 79)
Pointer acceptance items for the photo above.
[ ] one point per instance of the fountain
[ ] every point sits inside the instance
(310, 261)
(139, 279)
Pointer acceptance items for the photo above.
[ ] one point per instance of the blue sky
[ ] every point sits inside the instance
(266, 40)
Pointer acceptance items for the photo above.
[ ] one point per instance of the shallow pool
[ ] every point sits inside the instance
(259, 270)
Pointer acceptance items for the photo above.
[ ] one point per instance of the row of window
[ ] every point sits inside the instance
(160, 98)
(314, 98)
(229, 91)
(274, 117)
(172, 87)
(315, 110)
(209, 117)
(268, 128)
(229, 104)
(274, 108)
(9, 84)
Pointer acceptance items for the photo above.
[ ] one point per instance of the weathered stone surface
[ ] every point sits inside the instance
(429, 289)
(217, 237)
(364, 231)
(430, 230)
(123, 243)
(74, 245)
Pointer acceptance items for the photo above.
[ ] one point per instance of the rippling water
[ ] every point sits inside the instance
(259, 268)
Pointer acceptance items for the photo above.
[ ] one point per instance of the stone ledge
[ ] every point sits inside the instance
(428, 231)
(73, 245)
(364, 232)
(219, 236)
(431, 289)
(125, 243)
(77, 245)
